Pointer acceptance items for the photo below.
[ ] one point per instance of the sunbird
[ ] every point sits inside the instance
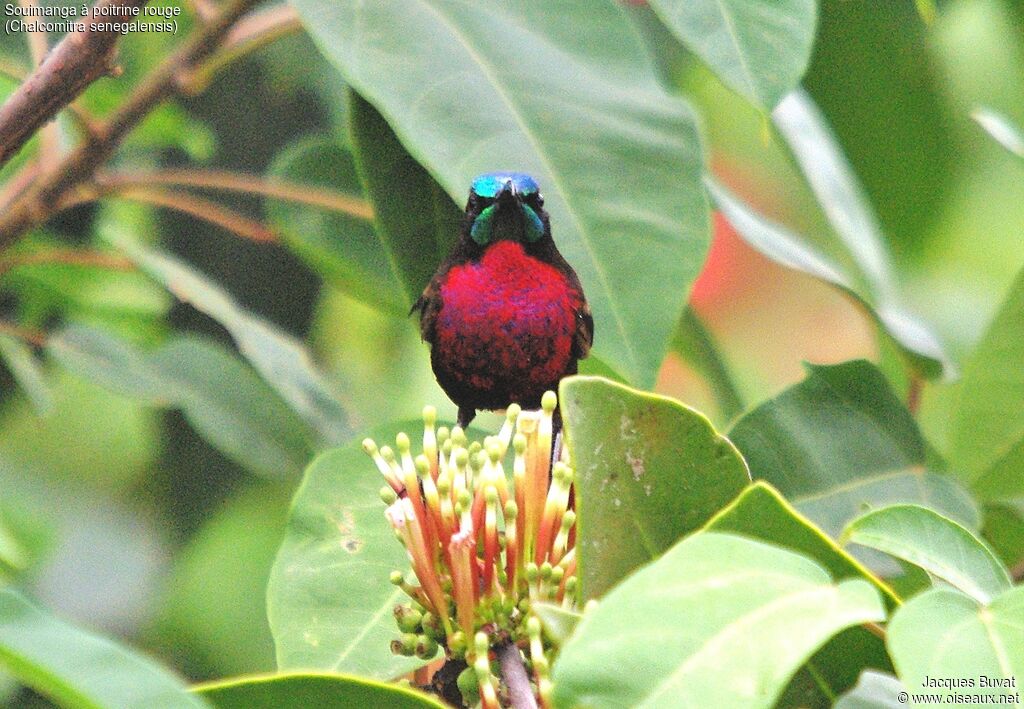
(504, 314)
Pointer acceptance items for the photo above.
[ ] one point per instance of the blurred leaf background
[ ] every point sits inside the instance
(148, 516)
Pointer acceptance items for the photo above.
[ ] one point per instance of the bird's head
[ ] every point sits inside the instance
(505, 205)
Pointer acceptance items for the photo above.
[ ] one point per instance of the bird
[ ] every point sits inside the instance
(505, 315)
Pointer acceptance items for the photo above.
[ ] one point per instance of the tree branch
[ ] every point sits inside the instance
(69, 257)
(79, 59)
(43, 198)
(514, 673)
(49, 134)
(242, 183)
(203, 209)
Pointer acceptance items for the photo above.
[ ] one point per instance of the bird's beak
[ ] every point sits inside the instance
(507, 194)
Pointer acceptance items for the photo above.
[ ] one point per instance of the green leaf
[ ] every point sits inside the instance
(329, 599)
(853, 220)
(718, 621)
(760, 512)
(80, 670)
(85, 292)
(834, 183)
(562, 91)
(283, 361)
(416, 221)
(938, 545)
(341, 247)
(28, 373)
(840, 442)
(220, 396)
(760, 49)
(301, 690)
(648, 471)
(1001, 129)
(943, 634)
(987, 441)
(874, 690)
(780, 245)
(559, 623)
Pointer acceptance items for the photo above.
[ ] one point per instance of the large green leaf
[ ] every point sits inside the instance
(564, 91)
(987, 441)
(761, 513)
(283, 361)
(853, 220)
(648, 470)
(81, 670)
(904, 152)
(340, 246)
(776, 242)
(306, 690)
(718, 621)
(945, 635)
(416, 221)
(221, 397)
(760, 49)
(938, 545)
(329, 599)
(840, 442)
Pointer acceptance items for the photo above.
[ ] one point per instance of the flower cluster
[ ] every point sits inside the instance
(483, 548)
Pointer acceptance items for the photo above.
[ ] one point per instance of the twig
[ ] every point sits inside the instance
(79, 59)
(514, 674)
(44, 197)
(203, 209)
(68, 257)
(242, 183)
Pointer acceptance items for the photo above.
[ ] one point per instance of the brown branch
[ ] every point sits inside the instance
(68, 257)
(49, 192)
(202, 209)
(33, 337)
(49, 134)
(241, 183)
(513, 672)
(85, 120)
(79, 59)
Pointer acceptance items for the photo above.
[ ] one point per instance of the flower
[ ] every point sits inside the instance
(483, 548)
